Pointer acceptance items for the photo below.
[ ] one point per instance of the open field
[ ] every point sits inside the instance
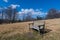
(19, 31)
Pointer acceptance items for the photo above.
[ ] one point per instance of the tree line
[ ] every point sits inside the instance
(53, 13)
(9, 15)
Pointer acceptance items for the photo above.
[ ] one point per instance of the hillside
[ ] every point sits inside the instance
(12, 31)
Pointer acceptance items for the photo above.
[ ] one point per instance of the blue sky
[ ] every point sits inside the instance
(45, 5)
(41, 5)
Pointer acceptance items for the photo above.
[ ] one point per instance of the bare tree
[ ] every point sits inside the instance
(29, 17)
(14, 15)
(39, 18)
(1, 11)
(11, 14)
(52, 13)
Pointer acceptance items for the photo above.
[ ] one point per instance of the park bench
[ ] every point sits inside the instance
(38, 26)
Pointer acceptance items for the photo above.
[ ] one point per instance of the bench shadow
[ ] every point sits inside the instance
(47, 30)
(43, 31)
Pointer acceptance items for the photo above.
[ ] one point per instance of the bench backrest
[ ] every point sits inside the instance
(41, 22)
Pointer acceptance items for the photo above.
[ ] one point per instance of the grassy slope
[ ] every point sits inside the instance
(18, 31)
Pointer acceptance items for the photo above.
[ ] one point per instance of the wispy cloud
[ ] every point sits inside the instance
(32, 11)
(14, 6)
(5, 0)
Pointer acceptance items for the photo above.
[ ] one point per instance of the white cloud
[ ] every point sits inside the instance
(32, 11)
(14, 6)
(25, 11)
(5, 0)
(22, 9)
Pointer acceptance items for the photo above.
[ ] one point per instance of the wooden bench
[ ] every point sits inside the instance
(37, 25)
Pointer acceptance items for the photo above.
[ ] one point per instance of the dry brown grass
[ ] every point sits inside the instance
(53, 24)
(7, 30)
